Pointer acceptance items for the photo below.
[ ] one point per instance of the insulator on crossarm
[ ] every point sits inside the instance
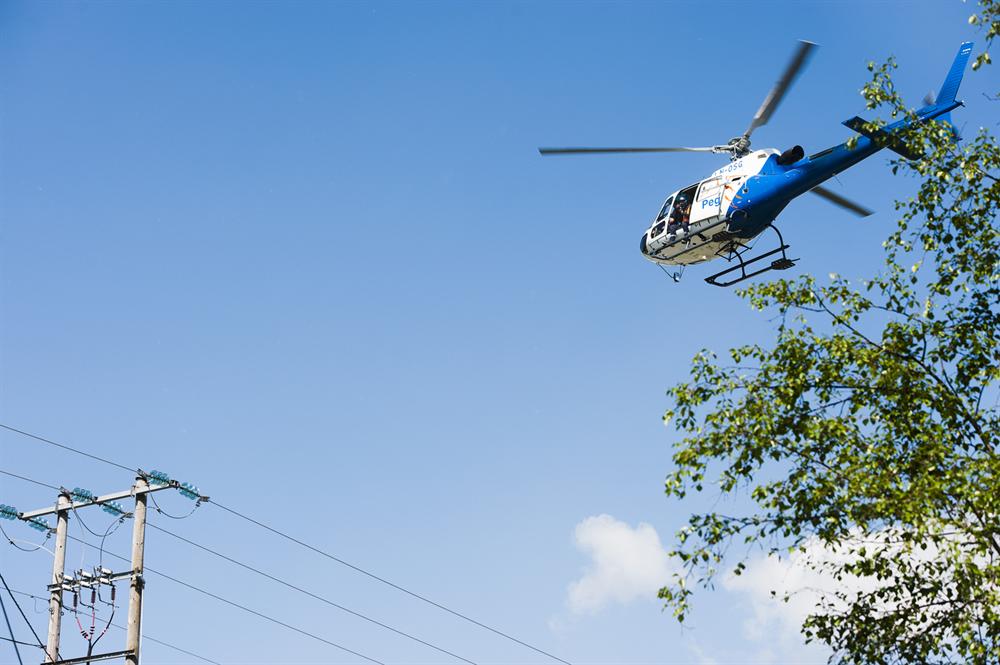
(113, 508)
(81, 494)
(158, 478)
(8, 512)
(38, 524)
(189, 491)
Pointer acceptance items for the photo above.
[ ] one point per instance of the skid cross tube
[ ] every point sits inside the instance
(783, 263)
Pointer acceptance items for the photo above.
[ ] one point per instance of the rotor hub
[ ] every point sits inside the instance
(739, 147)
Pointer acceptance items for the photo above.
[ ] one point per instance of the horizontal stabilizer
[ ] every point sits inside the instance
(882, 138)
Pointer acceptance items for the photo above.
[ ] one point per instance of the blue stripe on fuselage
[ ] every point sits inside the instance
(766, 194)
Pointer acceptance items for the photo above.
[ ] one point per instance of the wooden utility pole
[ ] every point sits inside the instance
(63, 505)
(135, 587)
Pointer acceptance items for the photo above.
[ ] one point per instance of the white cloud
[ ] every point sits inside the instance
(701, 657)
(801, 576)
(626, 563)
(788, 575)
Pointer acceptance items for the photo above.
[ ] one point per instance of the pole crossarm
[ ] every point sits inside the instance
(29, 514)
(72, 583)
(89, 659)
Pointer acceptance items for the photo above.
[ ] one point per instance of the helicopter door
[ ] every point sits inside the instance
(708, 202)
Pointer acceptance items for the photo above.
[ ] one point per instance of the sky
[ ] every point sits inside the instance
(307, 257)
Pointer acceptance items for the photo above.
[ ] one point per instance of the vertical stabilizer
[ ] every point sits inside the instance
(949, 89)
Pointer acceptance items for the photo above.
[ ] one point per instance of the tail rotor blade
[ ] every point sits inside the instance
(781, 87)
(841, 201)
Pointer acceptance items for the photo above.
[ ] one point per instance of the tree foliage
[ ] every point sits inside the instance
(870, 426)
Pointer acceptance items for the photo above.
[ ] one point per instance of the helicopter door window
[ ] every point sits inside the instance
(680, 217)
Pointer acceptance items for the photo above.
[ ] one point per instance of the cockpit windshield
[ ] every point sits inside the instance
(660, 225)
(665, 209)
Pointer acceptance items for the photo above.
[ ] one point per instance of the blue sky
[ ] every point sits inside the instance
(306, 256)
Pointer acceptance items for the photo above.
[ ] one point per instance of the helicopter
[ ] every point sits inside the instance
(719, 216)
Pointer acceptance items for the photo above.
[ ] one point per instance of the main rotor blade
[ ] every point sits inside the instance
(839, 200)
(607, 151)
(781, 87)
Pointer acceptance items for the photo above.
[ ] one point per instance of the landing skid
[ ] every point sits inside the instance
(737, 250)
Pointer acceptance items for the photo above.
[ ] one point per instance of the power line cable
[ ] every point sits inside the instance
(194, 588)
(310, 594)
(25, 617)
(332, 557)
(147, 569)
(144, 636)
(172, 646)
(386, 582)
(200, 590)
(15, 643)
(274, 579)
(10, 630)
(65, 447)
(14, 475)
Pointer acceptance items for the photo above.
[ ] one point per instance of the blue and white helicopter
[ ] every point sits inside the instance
(719, 216)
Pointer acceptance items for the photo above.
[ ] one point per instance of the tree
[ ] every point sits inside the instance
(869, 429)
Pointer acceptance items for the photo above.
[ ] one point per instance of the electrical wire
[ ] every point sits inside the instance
(207, 593)
(310, 594)
(172, 646)
(160, 511)
(144, 636)
(112, 527)
(84, 524)
(14, 475)
(111, 618)
(25, 617)
(110, 530)
(65, 447)
(147, 569)
(329, 556)
(387, 582)
(15, 643)
(270, 577)
(10, 630)
(15, 541)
